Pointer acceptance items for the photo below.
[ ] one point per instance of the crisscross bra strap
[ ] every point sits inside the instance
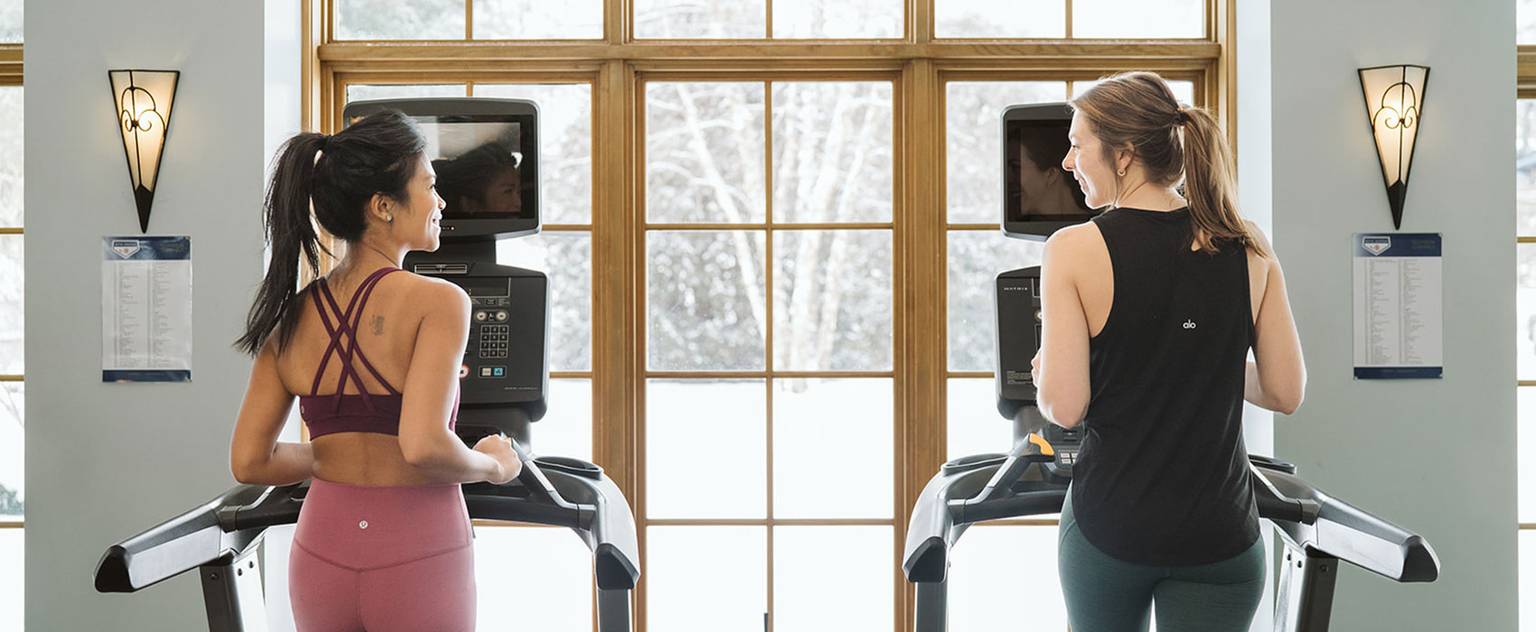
(347, 323)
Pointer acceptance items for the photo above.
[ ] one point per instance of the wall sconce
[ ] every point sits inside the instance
(143, 99)
(1394, 102)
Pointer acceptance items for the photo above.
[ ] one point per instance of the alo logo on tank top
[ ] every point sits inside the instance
(1189, 324)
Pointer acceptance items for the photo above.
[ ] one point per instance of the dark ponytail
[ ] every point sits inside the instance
(339, 174)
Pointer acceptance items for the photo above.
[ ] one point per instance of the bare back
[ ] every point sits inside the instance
(387, 333)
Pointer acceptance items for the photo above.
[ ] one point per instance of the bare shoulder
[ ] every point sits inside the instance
(1076, 239)
(1256, 260)
(433, 296)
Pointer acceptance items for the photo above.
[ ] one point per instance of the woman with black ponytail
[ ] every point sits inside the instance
(383, 540)
(1150, 311)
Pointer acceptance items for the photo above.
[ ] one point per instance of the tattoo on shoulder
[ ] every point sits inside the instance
(378, 325)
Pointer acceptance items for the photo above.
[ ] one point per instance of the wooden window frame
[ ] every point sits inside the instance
(617, 67)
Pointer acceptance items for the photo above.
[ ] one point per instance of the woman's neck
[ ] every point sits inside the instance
(366, 257)
(1149, 197)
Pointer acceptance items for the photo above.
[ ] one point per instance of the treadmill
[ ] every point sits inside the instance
(476, 143)
(1318, 529)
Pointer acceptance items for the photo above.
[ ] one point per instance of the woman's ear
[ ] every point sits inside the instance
(1124, 157)
(380, 206)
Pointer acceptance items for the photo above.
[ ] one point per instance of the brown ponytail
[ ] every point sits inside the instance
(1178, 146)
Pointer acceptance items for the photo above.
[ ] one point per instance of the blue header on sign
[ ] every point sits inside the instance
(1397, 244)
(168, 248)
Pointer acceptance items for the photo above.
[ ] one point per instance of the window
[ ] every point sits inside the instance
(1097, 19)
(770, 266)
(1525, 307)
(1525, 344)
(790, 19)
(768, 300)
(13, 488)
(477, 19)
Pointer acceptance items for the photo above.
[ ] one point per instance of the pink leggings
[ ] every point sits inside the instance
(382, 559)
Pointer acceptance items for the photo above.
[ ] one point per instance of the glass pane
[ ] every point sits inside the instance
(706, 450)
(716, 19)
(704, 152)
(565, 146)
(843, 425)
(973, 424)
(1138, 18)
(1525, 434)
(1183, 90)
(706, 579)
(993, 567)
(832, 300)
(1525, 33)
(705, 299)
(401, 91)
(566, 430)
(841, 19)
(532, 578)
(1527, 581)
(12, 300)
(12, 581)
(1525, 311)
(1525, 166)
(975, 259)
(832, 152)
(974, 122)
(831, 579)
(11, 157)
(526, 19)
(566, 257)
(10, 32)
(392, 19)
(13, 489)
(990, 18)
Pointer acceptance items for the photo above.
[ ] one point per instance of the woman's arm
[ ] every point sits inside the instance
(1062, 378)
(428, 397)
(255, 454)
(1278, 380)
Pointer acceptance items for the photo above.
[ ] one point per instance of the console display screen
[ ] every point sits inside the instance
(481, 168)
(483, 287)
(1035, 186)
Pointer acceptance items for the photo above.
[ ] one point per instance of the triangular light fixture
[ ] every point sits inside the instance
(143, 99)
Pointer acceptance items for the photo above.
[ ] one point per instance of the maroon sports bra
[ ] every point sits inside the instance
(352, 412)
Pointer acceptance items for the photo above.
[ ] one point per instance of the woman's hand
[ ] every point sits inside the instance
(499, 447)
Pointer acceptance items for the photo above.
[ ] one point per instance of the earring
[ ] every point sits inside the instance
(1122, 172)
(391, 218)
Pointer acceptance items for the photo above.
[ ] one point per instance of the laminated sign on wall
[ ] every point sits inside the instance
(146, 309)
(1399, 326)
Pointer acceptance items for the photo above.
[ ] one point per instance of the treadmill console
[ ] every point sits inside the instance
(1016, 295)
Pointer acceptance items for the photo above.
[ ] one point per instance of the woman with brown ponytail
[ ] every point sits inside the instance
(1150, 311)
(383, 540)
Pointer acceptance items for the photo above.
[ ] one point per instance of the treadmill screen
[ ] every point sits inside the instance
(480, 167)
(485, 287)
(1035, 186)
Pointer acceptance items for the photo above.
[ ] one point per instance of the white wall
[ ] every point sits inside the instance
(105, 461)
(1436, 456)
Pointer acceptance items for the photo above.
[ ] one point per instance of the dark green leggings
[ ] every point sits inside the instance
(1105, 594)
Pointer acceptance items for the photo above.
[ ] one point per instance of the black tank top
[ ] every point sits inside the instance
(1162, 477)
